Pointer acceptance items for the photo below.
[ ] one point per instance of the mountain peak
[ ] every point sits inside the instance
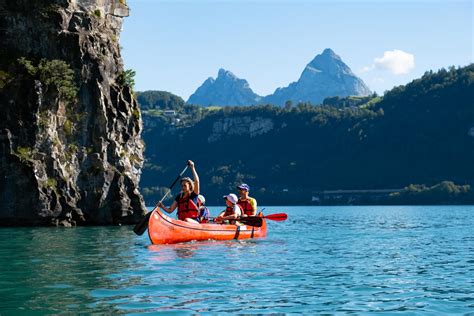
(329, 62)
(226, 89)
(226, 74)
(330, 52)
(325, 76)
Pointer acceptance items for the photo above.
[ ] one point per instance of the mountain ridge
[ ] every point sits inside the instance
(326, 75)
(226, 89)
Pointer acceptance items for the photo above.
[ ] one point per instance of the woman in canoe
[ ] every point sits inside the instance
(187, 200)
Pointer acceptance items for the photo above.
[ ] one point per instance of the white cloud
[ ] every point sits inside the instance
(396, 61)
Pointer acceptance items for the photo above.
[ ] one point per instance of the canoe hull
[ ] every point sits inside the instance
(163, 229)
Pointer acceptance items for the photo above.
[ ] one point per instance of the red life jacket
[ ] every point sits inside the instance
(230, 210)
(246, 207)
(187, 208)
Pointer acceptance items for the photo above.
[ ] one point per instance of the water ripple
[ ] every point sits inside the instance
(321, 260)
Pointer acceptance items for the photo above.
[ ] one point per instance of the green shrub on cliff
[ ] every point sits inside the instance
(53, 73)
(24, 153)
(127, 78)
(57, 73)
(4, 78)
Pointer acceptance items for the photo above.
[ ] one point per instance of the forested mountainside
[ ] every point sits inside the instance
(421, 133)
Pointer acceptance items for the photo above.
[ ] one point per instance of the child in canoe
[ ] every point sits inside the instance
(232, 211)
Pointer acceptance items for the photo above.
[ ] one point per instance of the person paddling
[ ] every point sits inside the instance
(232, 211)
(187, 200)
(247, 203)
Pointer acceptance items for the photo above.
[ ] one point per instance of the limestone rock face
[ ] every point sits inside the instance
(245, 125)
(325, 76)
(70, 146)
(226, 89)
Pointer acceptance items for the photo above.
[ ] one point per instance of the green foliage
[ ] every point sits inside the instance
(72, 148)
(443, 192)
(58, 73)
(127, 78)
(43, 119)
(136, 113)
(68, 128)
(413, 134)
(51, 184)
(5, 77)
(348, 101)
(28, 65)
(97, 13)
(153, 100)
(53, 74)
(47, 11)
(24, 153)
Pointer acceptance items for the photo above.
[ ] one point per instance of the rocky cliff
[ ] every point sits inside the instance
(238, 126)
(226, 89)
(70, 147)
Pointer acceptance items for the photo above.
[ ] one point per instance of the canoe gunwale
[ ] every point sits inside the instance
(173, 222)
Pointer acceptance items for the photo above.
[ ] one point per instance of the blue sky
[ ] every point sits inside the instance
(174, 45)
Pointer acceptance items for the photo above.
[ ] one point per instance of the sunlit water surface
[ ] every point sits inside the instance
(322, 259)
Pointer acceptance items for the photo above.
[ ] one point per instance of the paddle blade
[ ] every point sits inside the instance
(252, 221)
(276, 217)
(142, 225)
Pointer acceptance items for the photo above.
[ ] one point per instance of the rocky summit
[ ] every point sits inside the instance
(226, 89)
(70, 146)
(325, 76)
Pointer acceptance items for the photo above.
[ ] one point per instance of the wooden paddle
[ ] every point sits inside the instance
(258, 221)
(142, 226)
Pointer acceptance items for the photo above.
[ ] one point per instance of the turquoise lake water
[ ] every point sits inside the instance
(363, 260)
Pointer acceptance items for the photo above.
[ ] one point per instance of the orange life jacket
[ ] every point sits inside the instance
(246, 207)
(187, 208)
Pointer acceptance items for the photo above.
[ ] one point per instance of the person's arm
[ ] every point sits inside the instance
(218, 219)
(235, 215)
(253, 202)
(195, 176)
(170, 209)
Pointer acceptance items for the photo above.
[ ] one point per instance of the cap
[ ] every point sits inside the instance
(201, 199)
(232, 198)
(244, 186)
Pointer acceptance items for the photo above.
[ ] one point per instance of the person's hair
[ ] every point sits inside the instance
(191, 182)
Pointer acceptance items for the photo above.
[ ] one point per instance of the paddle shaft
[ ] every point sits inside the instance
(141, 226)
(258, 220)
(172, 185)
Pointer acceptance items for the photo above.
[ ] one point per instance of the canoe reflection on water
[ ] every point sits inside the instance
(164, 253)
(170, 252)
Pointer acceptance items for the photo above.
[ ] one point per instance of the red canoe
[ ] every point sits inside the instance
(163, 229)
